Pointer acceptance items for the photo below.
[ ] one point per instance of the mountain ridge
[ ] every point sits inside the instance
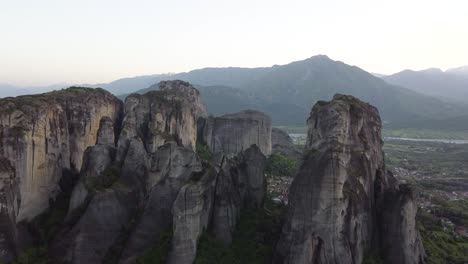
(296, 86)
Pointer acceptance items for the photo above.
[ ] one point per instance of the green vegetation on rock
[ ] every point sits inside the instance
(280, 165)
(441, 246)
(204, 152)
(105, 180)
(32, 256)
(158, 253)
(253, 241)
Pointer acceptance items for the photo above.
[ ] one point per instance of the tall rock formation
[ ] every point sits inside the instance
(338, 198)
(136, 174)
(234, 133)
(397, 218)
(170, 114)
(282, 143)
(42, 135)
(9, 200)
(96, 160)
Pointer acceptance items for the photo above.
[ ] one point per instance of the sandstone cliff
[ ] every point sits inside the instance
(233, 133)
(336, 198)
(41, 135)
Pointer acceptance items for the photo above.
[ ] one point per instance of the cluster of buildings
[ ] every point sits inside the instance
(279, 188)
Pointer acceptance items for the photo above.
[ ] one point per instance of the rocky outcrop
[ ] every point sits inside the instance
(282, 143)
(397, 218)
(191, 216)
(336, 198)
(240, 184)
(170, 168)
(234, 133)
(41, 135)
(9, 200)
(97, 230)
(96, 160)
(138, 180)
(133, 188)
(170, 114)
(111, 208)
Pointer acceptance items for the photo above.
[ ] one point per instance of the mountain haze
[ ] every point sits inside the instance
(286, 92)
(449, 85)
(463, 70)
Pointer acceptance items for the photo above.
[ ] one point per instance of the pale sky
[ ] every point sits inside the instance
(91, 41)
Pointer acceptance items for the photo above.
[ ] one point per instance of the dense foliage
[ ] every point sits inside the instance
(442, 244)
(105, 180)
(280, 165)
(159, 252)
(204, 152)
(253, 241)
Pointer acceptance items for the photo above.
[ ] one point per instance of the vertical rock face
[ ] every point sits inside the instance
(398, 223)
(43, 134)
(240, 184)
(171, 167)
(106, 132)
(9, 199)
(282, 143)
(280, 137)
(334, 199)
(131, 188)
(98, 228)
(96, 159)
(165, 115)
(234, 133)
(111, 208)
(253, 167)
(191, 216)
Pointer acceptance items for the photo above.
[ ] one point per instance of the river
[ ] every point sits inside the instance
(300, 138)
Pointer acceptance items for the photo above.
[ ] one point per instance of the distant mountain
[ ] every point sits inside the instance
(450, 85)
(128, 85)
(7, 90)
(380, 75)
(232, 77)
(222, 100)
(286, 92)
(463, 70)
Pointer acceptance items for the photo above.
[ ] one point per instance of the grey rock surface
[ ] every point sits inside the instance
(234, 133)
(157, 117)
(134, 188)
(280, 137)
(240, 184)
(191, 216)
(283, 144)
(334, 199)
(398, 223)
(9, 200)
(44, 134)
(170, 168)
(96, 159)
(106, 132)
(98, 228)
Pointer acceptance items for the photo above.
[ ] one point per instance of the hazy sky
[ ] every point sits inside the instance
(90, 41)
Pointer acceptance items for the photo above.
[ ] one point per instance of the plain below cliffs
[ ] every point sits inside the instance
(343, 204)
